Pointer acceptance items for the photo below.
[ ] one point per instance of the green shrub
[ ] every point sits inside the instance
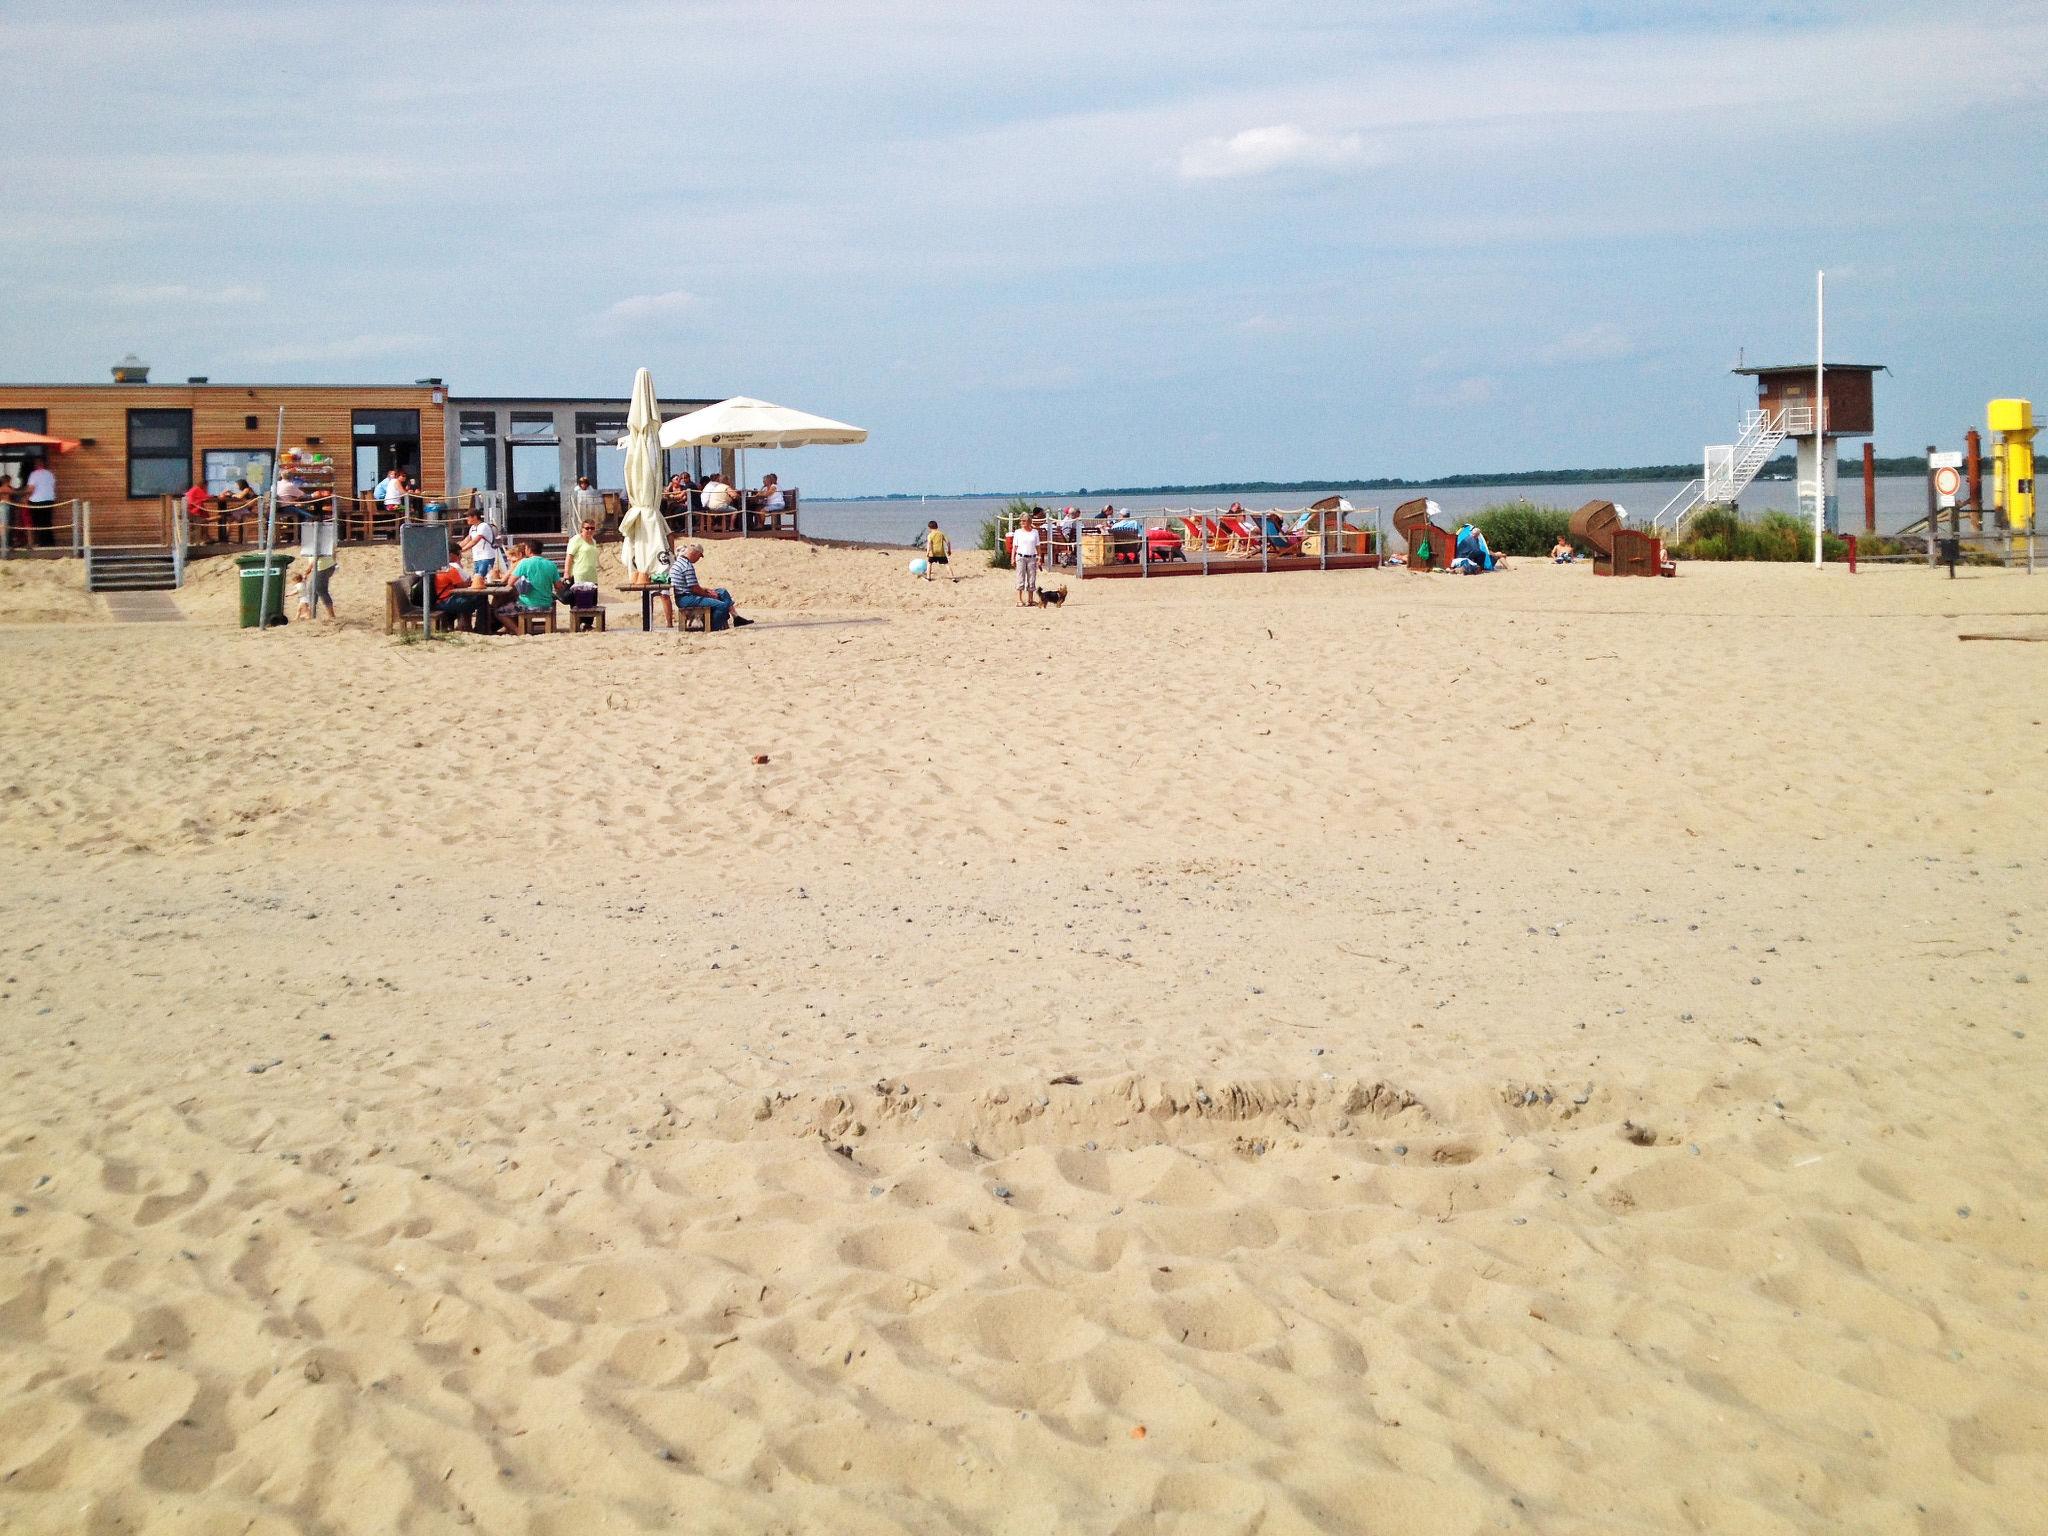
(992, 532)
(1721, 533)
(1522, 527)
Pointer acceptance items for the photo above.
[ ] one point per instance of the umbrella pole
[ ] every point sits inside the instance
(743, 493)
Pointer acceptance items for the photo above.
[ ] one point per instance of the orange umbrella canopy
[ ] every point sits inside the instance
(11, 438)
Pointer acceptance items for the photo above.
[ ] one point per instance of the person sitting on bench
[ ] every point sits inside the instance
(534, 575)
(453, 599)
(687, 592)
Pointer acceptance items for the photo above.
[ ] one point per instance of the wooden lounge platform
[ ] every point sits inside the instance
(1234, 566)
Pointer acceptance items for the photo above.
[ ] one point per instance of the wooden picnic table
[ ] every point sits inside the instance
(647, 595)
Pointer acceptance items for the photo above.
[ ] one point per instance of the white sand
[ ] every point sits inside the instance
(1549, 1054)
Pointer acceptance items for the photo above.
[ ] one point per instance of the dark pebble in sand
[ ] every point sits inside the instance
(1756, 981)
(325, 1036)
(1400, 1149)
(1963, 1211)
(666, 1454)
(21, 1210)
(1002, 1191)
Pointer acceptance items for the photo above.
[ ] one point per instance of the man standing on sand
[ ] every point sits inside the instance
(42, 502)
(481, 545)
(687, 592)
(1024, 555)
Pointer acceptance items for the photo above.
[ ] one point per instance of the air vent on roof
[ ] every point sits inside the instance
(131, 370)
(197, 378)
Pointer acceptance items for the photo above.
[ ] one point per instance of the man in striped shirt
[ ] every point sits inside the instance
(688, 592)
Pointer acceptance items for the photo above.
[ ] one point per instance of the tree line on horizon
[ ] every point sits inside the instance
(1904, 465)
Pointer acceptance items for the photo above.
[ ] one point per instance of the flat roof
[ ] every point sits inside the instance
(202, 384)
(576, 400)
(1809, 367)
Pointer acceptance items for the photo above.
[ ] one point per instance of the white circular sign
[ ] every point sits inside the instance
(1947, 481)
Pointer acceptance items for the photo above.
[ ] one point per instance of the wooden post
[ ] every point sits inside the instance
(1869, 487)
(1931, 451)
(1973, 461)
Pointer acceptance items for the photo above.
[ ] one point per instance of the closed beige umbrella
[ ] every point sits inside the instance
(643, 532)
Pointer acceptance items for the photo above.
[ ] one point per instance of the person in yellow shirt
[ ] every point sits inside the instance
(937, 551)
(582, 555)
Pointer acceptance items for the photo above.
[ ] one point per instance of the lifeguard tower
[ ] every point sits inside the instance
(1785, 408)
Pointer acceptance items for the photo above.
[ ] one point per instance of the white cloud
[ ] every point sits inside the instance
(648, 311)
(182, 293)
(1262, 151)
(346, 349)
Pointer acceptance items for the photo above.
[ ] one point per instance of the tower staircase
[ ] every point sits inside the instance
(1730, 467)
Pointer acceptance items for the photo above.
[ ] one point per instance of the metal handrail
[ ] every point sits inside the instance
(1693, 489)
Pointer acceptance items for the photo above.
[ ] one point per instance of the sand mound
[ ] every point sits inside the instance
(47, 592)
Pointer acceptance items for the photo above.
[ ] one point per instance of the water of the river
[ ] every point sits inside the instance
(1900, 499)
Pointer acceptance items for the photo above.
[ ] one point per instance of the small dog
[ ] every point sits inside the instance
(1051, 597)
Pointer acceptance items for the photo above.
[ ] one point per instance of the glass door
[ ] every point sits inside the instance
(533, 488)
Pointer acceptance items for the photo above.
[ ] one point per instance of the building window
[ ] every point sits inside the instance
(222, 467)
(534, 426)
(595, 454)
(401, 425)
(159, 452)
(37, 422)
(477, 450)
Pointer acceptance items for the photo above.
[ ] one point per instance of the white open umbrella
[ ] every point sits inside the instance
(741, 423)
(642, 532)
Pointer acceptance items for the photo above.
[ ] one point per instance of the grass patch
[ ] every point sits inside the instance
(1523, 527)
(1722, 533)
(992, 532)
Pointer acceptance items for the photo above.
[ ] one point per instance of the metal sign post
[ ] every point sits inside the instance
(423, 550)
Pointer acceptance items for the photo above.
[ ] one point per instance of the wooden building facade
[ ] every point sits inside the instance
(139, 442)
(1851, 408)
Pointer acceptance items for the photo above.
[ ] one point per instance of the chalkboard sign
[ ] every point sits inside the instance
(423, 546)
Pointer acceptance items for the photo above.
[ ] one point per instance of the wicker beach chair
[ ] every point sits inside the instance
(1411, 521)
(1618, 550)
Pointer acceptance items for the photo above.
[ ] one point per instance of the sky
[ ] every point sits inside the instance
(1048, 245)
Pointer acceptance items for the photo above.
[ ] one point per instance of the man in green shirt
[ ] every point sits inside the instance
(535, 576)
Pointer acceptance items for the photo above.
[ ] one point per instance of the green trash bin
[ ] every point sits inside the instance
(252, 588)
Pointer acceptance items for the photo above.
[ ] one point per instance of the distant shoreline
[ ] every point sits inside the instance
(1888, 468)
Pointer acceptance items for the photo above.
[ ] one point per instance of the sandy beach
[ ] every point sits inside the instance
(1317, 1053)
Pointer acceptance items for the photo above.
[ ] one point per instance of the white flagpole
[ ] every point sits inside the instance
(1820, 409)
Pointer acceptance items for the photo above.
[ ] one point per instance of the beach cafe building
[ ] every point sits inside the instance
(532, 449)
(140, 443)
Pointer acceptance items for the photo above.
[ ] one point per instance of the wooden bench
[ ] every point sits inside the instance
(402, 607)
(517, 620)
(581, 619)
